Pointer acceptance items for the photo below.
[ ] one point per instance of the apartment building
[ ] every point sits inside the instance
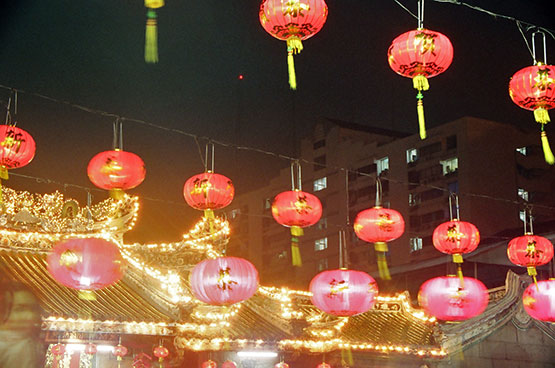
(496, 170)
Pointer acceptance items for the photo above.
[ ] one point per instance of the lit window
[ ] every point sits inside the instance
(267, 203)
(320, 244)
(382, 165)
(523, 194)
(412, 155)
(320, 184)
(414, 199)
(522, 150)
(450, 165)
(322, 224)
(415, 244)
(322, 264)
(234, 213)
(522, 215)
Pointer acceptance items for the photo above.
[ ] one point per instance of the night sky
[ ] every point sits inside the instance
(91, 53)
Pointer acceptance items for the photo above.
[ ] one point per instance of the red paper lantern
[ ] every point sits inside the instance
(116, 170)
(58, 349)
(379, 225)
(208, 191)
(224, 280)
(539, 300)
(17, 149)
(420, 54)
(293, 21)
(445, 299)
(90, 349)
(161, 352)
(296, 209)
(533, 88)
(456, 237)
(120, 351)
(281, 365)
(530, 251)
(209, 364)
(229, 364)
(86, 263)
(343, 292)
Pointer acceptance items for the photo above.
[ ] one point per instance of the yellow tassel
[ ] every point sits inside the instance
(460, 274)
(296, 232)
(1, 196)
(209, 216)
(541, 115)
(151, 38)
(116, 194)
(421, 121)
(4, 173)
(420, 83)
(457, 258)
(291, 69)
(347, 357)
(294, 46)
(381, 249)
(547, 153)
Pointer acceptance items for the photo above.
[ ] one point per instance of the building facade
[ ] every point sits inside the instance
(494, 171)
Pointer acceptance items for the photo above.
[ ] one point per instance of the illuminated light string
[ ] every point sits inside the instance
(240, 148)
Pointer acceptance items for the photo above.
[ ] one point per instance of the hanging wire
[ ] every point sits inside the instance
(296, 180)
(209, 157)
(519, 26)
(531, 218)
(200, 152)
(118, 134)
(406, 9)
(456, 197)
(347, 196)
(378, 192)
(420, 14)
(341, 248)
(8, 106)
(534, 47)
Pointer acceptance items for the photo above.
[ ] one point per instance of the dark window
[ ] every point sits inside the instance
(319, 144)
(414, 179)
(430, 149)
(453, 187)
(319, 162)
(368, 169)
(430, 194)
(451, 142)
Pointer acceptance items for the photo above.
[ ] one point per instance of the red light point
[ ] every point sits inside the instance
(240, 77)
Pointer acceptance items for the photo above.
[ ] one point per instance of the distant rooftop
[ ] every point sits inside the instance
(368, 129)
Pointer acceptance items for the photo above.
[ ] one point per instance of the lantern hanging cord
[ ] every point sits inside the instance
(406, 9)
(347, 196)
(200, 152)
(247, 148)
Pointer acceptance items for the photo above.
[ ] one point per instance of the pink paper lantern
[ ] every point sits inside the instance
(224, 280)
(539, 301)
(86, 263)
(209, 364)
(343, 292)
(445, 299)
(229, 364)
(281, 365)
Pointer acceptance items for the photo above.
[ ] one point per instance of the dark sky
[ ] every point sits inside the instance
(91, 53)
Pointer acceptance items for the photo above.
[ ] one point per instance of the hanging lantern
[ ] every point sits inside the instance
(456, 237)
(116, 171)
(530, 251)
(296, 209)
(420, 54)
(229, 364)
(224, 280)
(379, 225)
(151, 34)
(323, 365)
(86, 264)
(161, 352)
(90, 349)
(209, 364)
(343, 292)
(208, 191)
(119, 351)
(445, 299)
(17, 149)
(539, 300)
(533, 88)
(281, 365)
(293, 21)
(58, 351)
